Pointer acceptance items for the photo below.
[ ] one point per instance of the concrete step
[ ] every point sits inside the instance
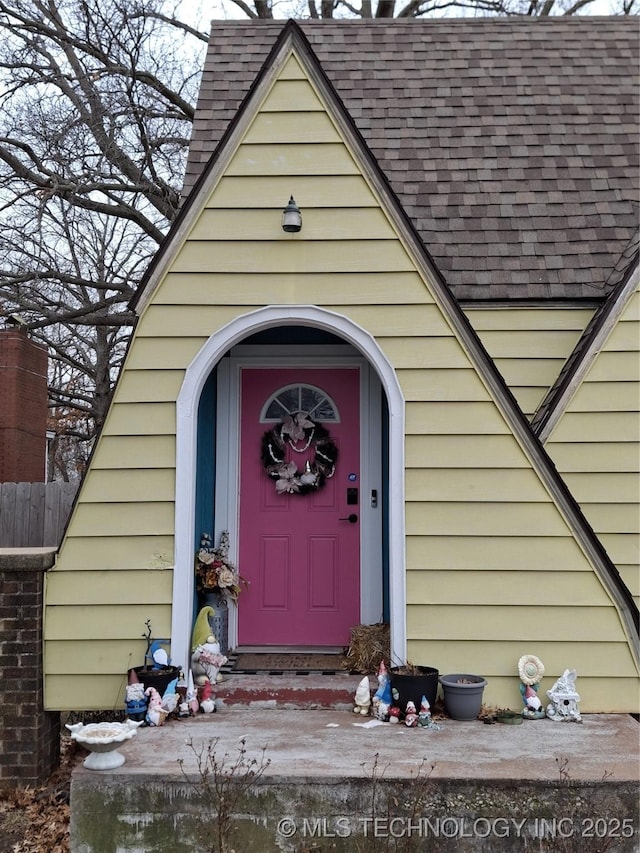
(290, 692)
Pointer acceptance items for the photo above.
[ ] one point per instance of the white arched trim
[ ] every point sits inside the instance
(186, 454)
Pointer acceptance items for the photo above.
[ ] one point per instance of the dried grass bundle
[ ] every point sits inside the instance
(369, 645)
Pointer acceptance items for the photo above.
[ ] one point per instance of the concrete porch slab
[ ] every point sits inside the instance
(333, 785)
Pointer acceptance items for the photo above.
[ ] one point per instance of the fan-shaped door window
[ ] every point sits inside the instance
(300, 398)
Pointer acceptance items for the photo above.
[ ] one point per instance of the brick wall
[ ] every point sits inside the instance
(23, 408)
(29, 735)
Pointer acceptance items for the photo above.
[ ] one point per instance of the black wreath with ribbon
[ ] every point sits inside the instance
(301, 434)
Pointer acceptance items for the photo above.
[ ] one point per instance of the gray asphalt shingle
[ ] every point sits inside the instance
(511, 143)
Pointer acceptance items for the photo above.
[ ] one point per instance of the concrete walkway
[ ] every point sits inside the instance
(334, 785)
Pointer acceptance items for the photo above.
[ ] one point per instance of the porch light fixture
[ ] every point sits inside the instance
(291, 217)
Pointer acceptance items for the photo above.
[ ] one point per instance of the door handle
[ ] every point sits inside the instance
(350, 518)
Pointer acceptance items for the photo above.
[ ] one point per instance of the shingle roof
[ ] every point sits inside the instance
(511, 143)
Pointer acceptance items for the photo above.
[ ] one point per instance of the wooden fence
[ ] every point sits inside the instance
(34, 515)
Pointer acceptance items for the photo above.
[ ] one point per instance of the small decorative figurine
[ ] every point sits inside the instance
(531, 670)
(410, 715)
(363, 697)
(156, 714)
(424, 715)
(394, 714)
(135, 700)
(564, 699)
(205, 697)
(181, 690)
(207, 660)
(382, 698)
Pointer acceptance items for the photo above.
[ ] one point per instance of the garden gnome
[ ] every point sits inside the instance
(205, 695)
(363, 697)
(410, 715)
(382, 698)
(156, 714)
(394, 714)
(424, 716)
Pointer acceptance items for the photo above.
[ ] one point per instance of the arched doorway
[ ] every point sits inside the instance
(247, 345)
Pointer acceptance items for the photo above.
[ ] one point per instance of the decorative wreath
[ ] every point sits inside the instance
(300, 433)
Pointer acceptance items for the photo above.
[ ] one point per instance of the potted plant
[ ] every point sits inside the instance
(156, 671)
(412, 682)
(217, 582)
(462, 695)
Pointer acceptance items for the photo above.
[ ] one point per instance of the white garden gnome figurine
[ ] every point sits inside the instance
(363, 697)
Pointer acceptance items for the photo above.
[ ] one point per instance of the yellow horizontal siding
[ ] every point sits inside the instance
(451, 418)
(141, 519)
(292, 159)
(247, 193)
(612, 517)
(456, 451)
(149, 353)
(274, 127)
(325, 256)
(130, 486)
(543, 320)
(518, 624)
(440, 384)
(424, 353)
(592, 456)
(142, 451)
(597, 427)
(619, 487)
(98, 692)
(148, 386)
(94, 657)
(607, 397)
(291, 96)
(550, 589)
(130, 553)
(187, 294)
(529, 346)
(612, 366)
(453, 484)
(498, 658)
(529, 553)
(131, 419)
(364, 223)
(483, 519)
(145, 587)
(107, 622)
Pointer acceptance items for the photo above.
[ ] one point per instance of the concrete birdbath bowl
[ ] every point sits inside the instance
(102, 740)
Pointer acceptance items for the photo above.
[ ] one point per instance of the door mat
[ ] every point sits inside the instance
(277, 663)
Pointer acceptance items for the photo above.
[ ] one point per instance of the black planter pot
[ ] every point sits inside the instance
(158, 678)
(411, 688)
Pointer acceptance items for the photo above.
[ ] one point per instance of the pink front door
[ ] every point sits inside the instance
(299, 552)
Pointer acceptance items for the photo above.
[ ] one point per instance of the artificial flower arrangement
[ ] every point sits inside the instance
(214, 570)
